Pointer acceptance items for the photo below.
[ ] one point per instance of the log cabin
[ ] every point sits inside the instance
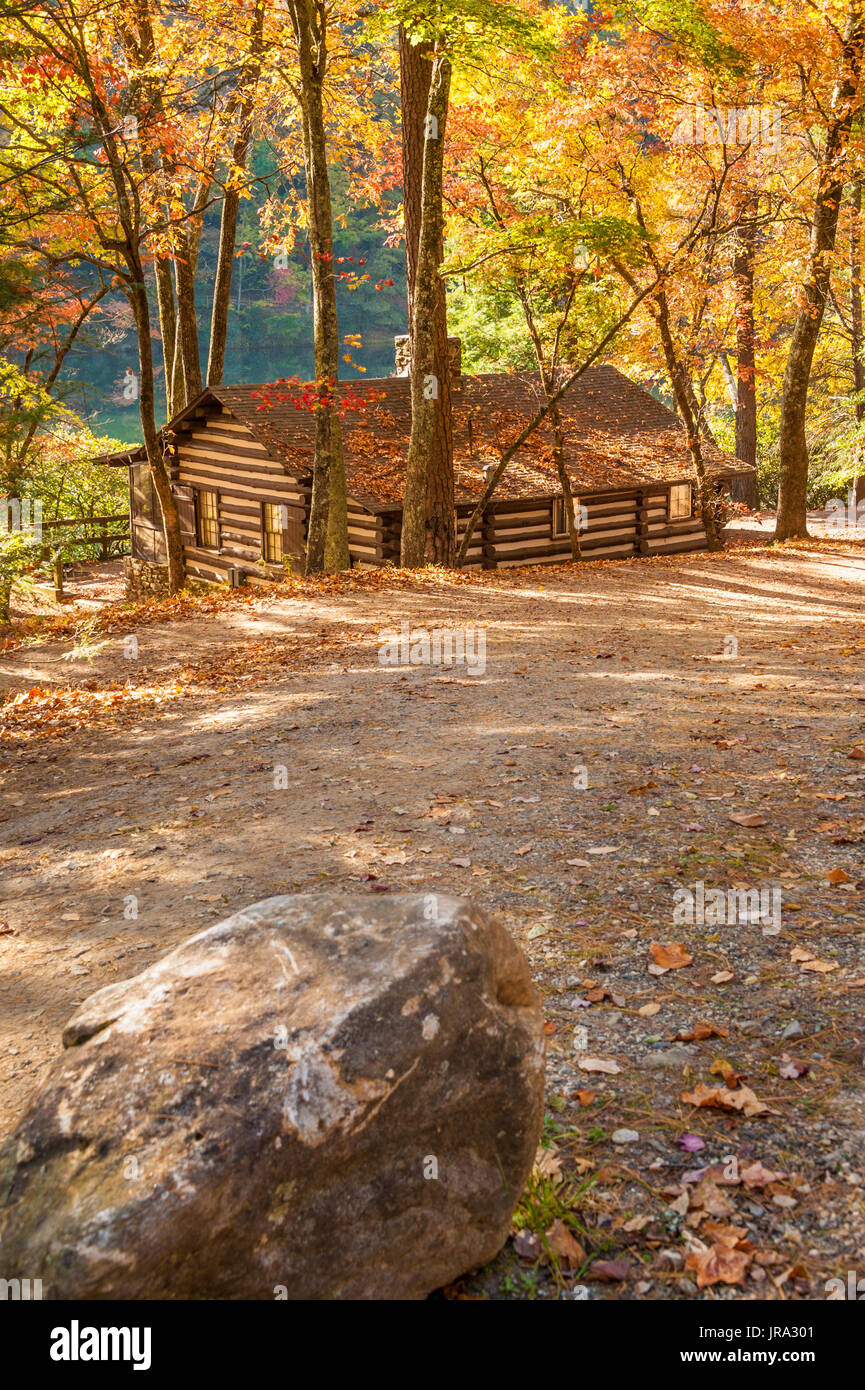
(240, 460)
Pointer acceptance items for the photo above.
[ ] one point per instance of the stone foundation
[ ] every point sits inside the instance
(144, 579)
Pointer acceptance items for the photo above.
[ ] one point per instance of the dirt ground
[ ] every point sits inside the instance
(626, 716)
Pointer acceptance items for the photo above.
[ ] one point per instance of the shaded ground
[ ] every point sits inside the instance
(588, 774)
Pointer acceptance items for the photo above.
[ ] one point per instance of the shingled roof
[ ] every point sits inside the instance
(617, 435)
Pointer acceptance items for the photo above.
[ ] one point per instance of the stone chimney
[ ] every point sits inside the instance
(402, 356)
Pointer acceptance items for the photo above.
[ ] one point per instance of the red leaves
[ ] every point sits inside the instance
(314, 395)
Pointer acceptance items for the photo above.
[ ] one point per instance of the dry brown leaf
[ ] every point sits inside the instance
(721, 1067)
(731, 1237)
(701, 1031)
(758, 1175)
(604, 1064)
(584, 1097)
(822, 967)
(838, 876)
(743, 1098)
(547, 1163)
(649, 1010)
(567, 1251)
(718, 1266)
(723, 977)
(670, 957)
(748, 818)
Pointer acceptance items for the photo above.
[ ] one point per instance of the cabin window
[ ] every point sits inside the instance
(680, 502)
(560, 518)
(272, 527)
(207, 518)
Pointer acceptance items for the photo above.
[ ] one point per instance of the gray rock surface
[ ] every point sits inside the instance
(320, 1097)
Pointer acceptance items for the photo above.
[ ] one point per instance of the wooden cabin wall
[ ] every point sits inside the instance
(662, 537)
(373, 537)
(220, 454)
(619, 524)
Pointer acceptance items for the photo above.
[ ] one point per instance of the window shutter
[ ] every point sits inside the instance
(292, 533)
(184, 497)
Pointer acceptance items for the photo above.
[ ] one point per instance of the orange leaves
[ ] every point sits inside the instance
(742, 1099)
(670, 957)
(723, 1263)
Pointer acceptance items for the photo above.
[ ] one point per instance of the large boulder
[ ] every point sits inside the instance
(320, 1097)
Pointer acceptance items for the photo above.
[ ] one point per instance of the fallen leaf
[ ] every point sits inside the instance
(548, 1164)
(721, 1067)
(718, 1266)
(671, 957)
(636, 1223)
(791, 1069)
(584, 1097)
(649, 1010)
(611, 1271)
(822, 967)
(700, 1031)
(758, 1175)
(743, 1098)
(729, 1236)
(691, 1143)
(784, 1201)
(568, 1251)
(604, 1064)
(838, 876)
(723, 977)
(748, 818)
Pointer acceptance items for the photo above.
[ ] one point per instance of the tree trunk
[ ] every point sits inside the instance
(856, 297)
(146, 405)
(415, 70)
(231, 204)
(745, 489)
(327, 536)
(167, 332)
(186, 377)
(564, 479)
(430, 368)
(684, 395)
(793, 452)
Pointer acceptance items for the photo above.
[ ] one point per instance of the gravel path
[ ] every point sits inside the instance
(639, 730)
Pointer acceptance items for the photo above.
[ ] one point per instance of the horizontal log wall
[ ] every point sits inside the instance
(220, 454)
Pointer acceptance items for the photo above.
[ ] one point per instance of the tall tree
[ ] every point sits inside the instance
(430, 369)
(745, 489)
(415, 67)
(327, 535)
(243, 107)
(857, 343)
(791, 520)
